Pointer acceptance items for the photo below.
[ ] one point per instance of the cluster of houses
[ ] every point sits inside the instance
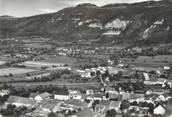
(154, 100)
(96, 102)
(86, 73)
(67, 51)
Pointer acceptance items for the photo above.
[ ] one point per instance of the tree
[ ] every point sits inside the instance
(107, 95)
(110, 113)
(119, 75)
(151, 107)
(98, 73)
(134, 103)
(5, 86)
(106, 74)
(65, 89)
(51, 114)
(124, 105)
(10, 75)
(92, 74)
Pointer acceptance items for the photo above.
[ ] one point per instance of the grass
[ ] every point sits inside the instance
(14, 71)
(58, 59)
(148, 61)
(38, 45)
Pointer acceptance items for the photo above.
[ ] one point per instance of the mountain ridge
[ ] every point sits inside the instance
(147, 22)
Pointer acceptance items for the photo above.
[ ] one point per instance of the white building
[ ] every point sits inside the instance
(42, 97)
(75, 94)
(61, 97)
(4, 92)
(159, 110)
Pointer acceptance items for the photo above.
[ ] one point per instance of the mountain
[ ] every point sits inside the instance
(146, 22)
(6, 17)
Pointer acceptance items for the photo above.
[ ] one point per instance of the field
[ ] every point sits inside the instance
(97, 56)
(155, 61)
(14, 71)
(58, 59)
(40, 64)
(56, 83)
(7, 57)
(38, 45)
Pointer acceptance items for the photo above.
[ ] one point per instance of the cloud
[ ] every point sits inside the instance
(47, 10)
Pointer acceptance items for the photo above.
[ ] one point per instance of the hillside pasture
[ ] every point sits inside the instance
(150, 61)
(58, 59)
(14, 71)
(39, 64)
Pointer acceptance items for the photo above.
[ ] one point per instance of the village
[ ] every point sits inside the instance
(45, 80)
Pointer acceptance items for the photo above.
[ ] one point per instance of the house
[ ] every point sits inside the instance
(96, 97)
(161, 98)
(151, 97)
(39, 112)
(4, 92)
(134, 96)
(89, 92)
(113, 96)
(148, 92)
(146, 76)
(103, 105)
(110, 90)
(51, 105)
(114, 105)
(61, 96)
(21, 101)
(160, 110)
(76, 103)
(114, 70)
(166, 67)
(125, 96)
(160, 91)
(75, 94)
(33, 95)
(137, 49)
(42, 96)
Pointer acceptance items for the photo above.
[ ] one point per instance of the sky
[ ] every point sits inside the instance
(22, 8)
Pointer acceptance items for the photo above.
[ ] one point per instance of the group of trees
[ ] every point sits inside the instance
(144, 104)
(105, 75)
(3, 98)
(125, 104)
(59, 73)
(111, 113)
(13, 111)
(53, 75)
(129, 86)
(90, 62)
(145, 52)
(23, 92)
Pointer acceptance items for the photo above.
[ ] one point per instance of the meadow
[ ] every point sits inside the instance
(14, 71)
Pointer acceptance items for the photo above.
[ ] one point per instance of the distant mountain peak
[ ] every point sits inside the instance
(87, 5)
(6, 16)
